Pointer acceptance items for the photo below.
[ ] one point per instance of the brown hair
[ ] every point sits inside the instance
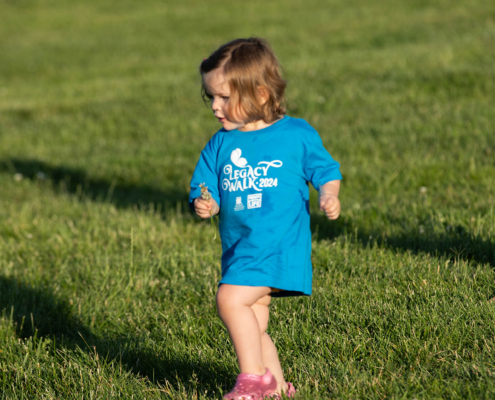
(249, 66)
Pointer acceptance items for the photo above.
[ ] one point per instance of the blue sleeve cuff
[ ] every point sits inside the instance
(333, 176)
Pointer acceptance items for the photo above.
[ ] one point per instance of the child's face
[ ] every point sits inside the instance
(219, 91)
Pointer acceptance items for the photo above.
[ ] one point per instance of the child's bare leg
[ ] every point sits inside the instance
(234, 307)
(269, 351)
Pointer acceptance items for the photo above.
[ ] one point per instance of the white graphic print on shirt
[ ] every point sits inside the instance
(238, 204)
(248, 177)
(254, 200)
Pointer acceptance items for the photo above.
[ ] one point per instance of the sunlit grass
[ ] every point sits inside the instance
(107, 281)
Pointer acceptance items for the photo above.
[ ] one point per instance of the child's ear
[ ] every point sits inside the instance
(263, 94)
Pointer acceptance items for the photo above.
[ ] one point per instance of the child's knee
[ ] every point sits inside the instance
(226, 299)
(221, 298)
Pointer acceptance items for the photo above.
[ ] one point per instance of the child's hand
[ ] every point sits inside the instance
(206, 208)
(329, 200)
(330, 204)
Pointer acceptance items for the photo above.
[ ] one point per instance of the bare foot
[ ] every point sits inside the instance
(282, 388)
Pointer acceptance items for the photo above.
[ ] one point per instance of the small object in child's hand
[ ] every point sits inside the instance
(205, 195)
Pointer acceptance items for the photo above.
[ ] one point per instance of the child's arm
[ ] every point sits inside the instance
(206, 208)
(203, 200)
(323, 172)
(329, 199)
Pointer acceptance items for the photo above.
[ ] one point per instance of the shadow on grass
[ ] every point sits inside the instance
(77, 182)
(37, 312)
(456, 242)
(169, 368)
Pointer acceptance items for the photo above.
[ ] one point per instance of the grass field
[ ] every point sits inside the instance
(107, 281)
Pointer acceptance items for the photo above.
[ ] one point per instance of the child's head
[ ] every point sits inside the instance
(243, 78)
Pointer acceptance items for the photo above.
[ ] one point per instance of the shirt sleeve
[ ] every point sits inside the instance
(319, 166)
(206, 172)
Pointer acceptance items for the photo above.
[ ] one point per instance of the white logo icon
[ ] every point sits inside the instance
(238, 204)
(236, 158)
(254, 200)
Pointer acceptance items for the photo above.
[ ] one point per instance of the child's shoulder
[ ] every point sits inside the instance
(218, 137)
(299, 123)
(301, 129)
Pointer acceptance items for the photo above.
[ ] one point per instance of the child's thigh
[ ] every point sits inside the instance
(242, 295)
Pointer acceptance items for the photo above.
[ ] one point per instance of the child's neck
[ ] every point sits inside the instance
(256, 125)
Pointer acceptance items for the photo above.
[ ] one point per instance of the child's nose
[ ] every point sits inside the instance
(215, 105)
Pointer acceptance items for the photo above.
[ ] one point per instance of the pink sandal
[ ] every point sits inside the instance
(291, 392)
(252, 387)
(256, 387)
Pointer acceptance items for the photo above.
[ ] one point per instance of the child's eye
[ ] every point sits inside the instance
(225, 97)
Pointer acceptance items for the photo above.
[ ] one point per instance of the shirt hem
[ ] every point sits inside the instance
(284, 287)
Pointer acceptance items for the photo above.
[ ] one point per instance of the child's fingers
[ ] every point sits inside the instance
(327, 202)
(323, 203)
(204, 213)
(333, 215)
(203, 208)
(202, 204)
(332, 208)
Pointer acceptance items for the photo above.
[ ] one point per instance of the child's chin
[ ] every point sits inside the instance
(228, 126)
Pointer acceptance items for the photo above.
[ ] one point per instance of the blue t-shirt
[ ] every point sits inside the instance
(260, 181)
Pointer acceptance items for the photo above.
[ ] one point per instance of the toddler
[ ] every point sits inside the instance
(257, 168)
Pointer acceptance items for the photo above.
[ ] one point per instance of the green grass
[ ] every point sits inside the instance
(107, 282)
